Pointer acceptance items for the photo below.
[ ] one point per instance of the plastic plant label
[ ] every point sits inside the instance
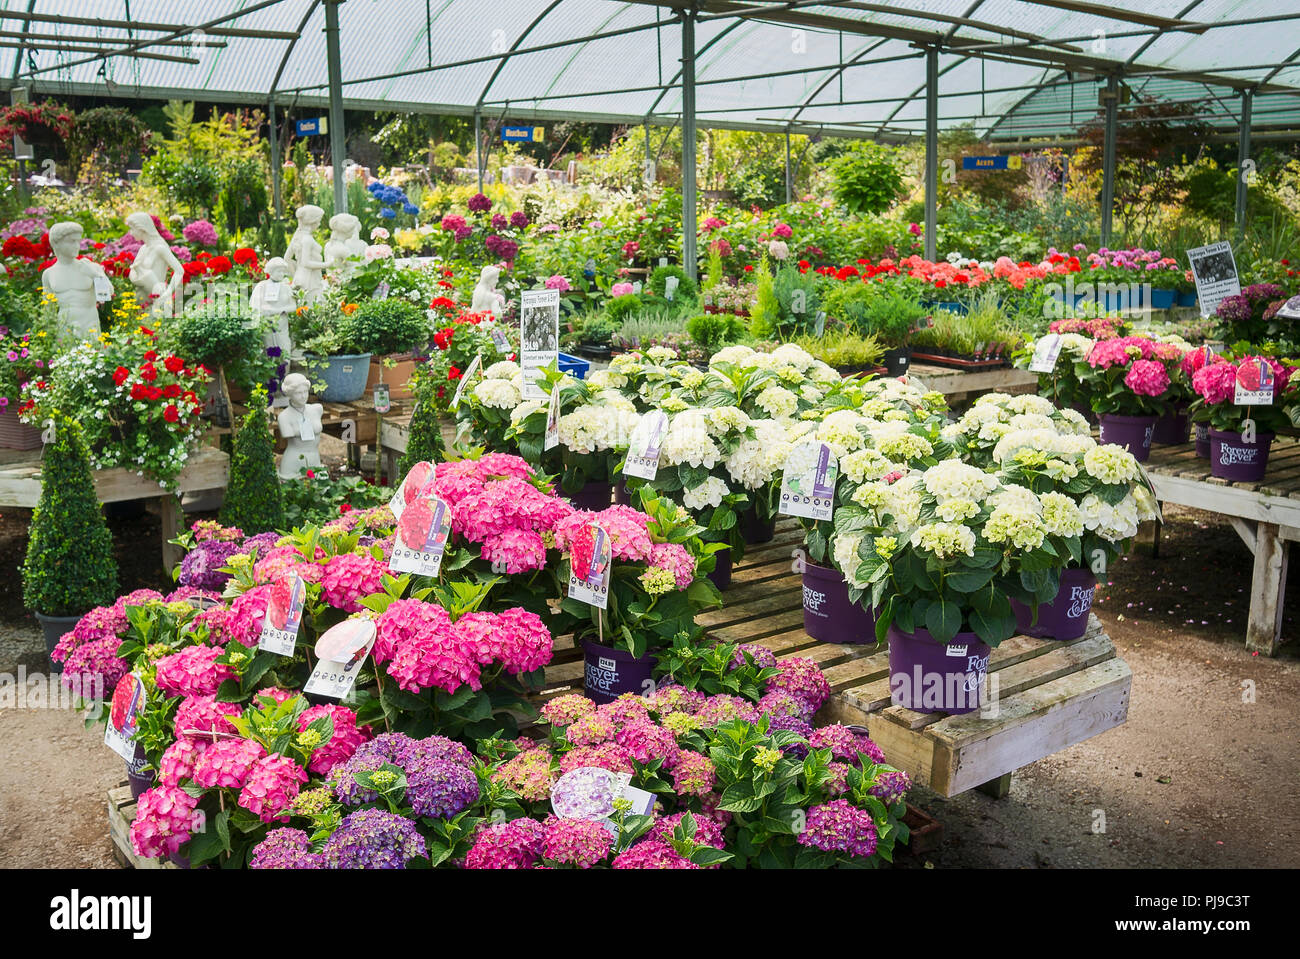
(636, 287)
(381, 292)
(422, 535)
(589, 566)
(663, 261)
(341, 652)
(643, 451)
(552, 436)
(383, 400)
(1254, 383)
(670, 288)
(1215, 271)
(464, 380)
(589, 793)
(819, 326)
(103, 288)
(305, 432)
(539, 337)
(124, 716)
(808, 483)
(499, 339)
(1046, 352)
(411, 486)
(283, 615)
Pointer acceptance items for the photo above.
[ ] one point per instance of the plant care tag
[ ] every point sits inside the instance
(539, 337)
(283, 615)
(381, 292)
(819, 325)
(468, 375)
(636, 288)
(589, 566)
(1254, 383)
(551, 439)
(1046, 351)
(670, 288)
(590, 792)
(103, 288)
(422, 535)
(124, 715)
(383, 400)
(808, 482)
(643, 451)
(341, 652)
(411, 487)
(499, 339)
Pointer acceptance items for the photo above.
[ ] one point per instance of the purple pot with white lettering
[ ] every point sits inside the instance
(1202, 441)
(1131, 432)
(754, 530)
(139, 781)
(1171, 429)
(828, 616)
(721, 575)
(1065, 617)
(594, 496)
(609, 673)
(930, 677)
(1232, 458)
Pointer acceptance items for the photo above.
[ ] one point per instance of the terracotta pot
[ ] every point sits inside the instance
(397, 377)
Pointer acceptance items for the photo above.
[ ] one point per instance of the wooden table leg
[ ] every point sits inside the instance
(998, 788)
(1267, 590)
(169, 508)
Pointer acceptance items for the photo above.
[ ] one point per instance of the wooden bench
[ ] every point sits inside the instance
(205, 468)
(1266, 515)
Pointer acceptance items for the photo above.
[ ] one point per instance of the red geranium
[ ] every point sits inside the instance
(171, 391)
(174, 364)
(120, 375)
(138, 391)
(244, 256)
(219, 265)
(148, 372)
(171, 414)
(453, 374)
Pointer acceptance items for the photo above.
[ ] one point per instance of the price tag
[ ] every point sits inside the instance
(636, 288)
(103, 288)
(552, 438)
(663, 261)
(383, 401)
(422, 535)
(464, 380)
(1046, 351)
(589, 566)
(808, 482)
(283, 615)
(539, 337)
(124, 716)
(499, 339)
(670, 287)
(305, 432)
(1254, 383)
(412, 485)
(643, 450)
(341, 652)
(381, 292)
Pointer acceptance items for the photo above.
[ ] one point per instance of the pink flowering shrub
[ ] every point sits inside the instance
(162, 821)
(1132, 376)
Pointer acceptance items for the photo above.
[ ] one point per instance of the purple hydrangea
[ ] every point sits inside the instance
(439, 788)
(519, 220)
(201, 567)
(373, 839)
(479, 203)
(201, 232)
(763, 657)
(795, 725)
(845, 744)
(839, 826)
(285, 849)
(891, 786)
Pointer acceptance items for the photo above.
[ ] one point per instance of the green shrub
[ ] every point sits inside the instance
(254, 499)
(842, 348)
(387, 326)
(866, 178)
(891, 316)
(597, 330)
(622, 308)
(424, 441)
(765, 316)
(224, 333)
(315, 500)
(799, 299)
(713, 331)
(69, 567)
(686, 292)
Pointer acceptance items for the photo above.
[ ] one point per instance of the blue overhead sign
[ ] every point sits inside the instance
(522, 134)
(991, 163)
(316, 126)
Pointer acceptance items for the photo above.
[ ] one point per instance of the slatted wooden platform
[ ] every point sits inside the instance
(1265, 514)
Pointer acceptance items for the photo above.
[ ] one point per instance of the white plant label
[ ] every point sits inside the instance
(643, 451)
(283, 615)
(124, 716)
(589, 566)
(552, 436)
(1046, 352)
(341, 652)
(539, 337)
(808, 482)
(670, 288)
(464, 380)
(422, 535)
(381, 292)
(412, 486)
(1254, 383)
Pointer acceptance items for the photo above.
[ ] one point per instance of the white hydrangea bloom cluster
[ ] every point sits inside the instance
(844, 552)
(1111, 464)
(706, 494)
(758, 461)
(790, 355)
(944, 540)
(721, 420)
(1114, 523)
(777, 402)
(497, 394)
(688, 442)
(502, 370)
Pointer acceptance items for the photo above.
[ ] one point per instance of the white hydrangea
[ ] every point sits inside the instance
(1113, 523)
(905, 446)
(608, 379)
(690, 444)
(953, 479)
(1030, 403)
(731, 354)
(789, 354)
(863, 466)
(756, 462)
(524, 410)
(844, 553)
(1111, 464)
(1076, 345)
(777, 402)
(706, 494)
(1016, 440)
(1061, 515)
(502, 370)
(1031, 421)
(841, 429)
(944, 540)
(1072, 422)
(497, 394)
(692, 379)
(661, 354)
(727, 419)
(902, 501)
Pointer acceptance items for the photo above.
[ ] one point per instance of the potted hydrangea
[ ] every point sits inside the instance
(1127, 382)
(1240, 436)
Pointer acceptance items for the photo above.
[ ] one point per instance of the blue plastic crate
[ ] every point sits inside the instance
(575, 366)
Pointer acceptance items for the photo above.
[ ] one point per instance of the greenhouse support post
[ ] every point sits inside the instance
(690, 260)
(1111, 99)
(1243, 160)
(338, 136)
(788, 184)
(931, 151)
(277, 169)
(478, 148)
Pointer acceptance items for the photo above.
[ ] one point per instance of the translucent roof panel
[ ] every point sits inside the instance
(1015, 67)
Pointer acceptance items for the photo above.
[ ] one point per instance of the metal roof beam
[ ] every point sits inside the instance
(148, 27)
(79, 48)
(101, 41)
(1113, 13)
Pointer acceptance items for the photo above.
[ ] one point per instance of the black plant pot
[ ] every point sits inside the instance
(897, 362)
(54, 627)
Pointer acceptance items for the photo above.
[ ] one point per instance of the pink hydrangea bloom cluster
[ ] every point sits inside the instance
(179, 760)
(529, 774)
(606, 755)
(1147, 378)
(349, 577)
(845, 744)
(694, 774)
(563, 710)
(647, 741)
(506, 845)
(708, 831)
(243, 623)
(285, 559)
(839, 826)
(162, 821)
(347, 737)
(204, 714)
(226, 763)
(1216, 382)
(675, 558)
(270, 786)
(627, 529)
(803, 679)
(194, 671)
(1120, 351)
(575, 842)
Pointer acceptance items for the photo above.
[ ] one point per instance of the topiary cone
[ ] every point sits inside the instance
(254, 499)
(424, 441)
(69, 568)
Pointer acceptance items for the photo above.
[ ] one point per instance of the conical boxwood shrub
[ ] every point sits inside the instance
(254, 499)
(424, 441)
(69, 568)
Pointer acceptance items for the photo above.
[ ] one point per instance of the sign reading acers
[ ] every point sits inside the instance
(523, 134)
(1011, 162)
(316, 126)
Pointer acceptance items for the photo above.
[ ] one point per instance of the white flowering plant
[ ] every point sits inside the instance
(977, 433)
(487, 404)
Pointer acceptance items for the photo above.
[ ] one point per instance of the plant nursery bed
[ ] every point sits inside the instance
(962, 362)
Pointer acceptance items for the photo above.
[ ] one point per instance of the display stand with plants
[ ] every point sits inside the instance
(393, 331)
(336, 366)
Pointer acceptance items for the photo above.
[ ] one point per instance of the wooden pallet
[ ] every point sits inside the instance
(121, 813)
(1266, 514)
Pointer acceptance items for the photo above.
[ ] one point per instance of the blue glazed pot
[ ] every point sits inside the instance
(345, 376)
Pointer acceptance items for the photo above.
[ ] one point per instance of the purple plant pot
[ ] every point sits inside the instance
(1131, 432)
(930, 677)
(1232, 458)
(755, 531)
(1065, 617)
(622, 495)
(828, 616)
(609, 673)
(594, 496)
(1202, 441)
(721, 575)
(1171, 429)
(138, 780)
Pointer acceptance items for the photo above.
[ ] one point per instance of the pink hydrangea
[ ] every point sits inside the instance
(506, 845)
(226, 763)
(627, 709)
(1147, 378)
(801, 677)
(652, 854)
(452, 222)
(204, 714)
(403, 621)
(247, 614)
(723, 708)
(1216, 383)
(620, 289)
(845, 744)
(529, 774)
(342, 744)
(525, 642)
(280, 560)
(675, 558)
(519, 550)
(558, 282)
(606, 755)
(270, 786)
(677, 699)
(433, 658)
(646, 741)
(162, 821)
(92, 670)
(575, 842)
(588, 730)
(782, 231)
(349, 577)
(780, 702)
(194, 671)
(102, 622)
(564, 710)
(178, 761)
(200, 232)
(628, 532)
(693, 774)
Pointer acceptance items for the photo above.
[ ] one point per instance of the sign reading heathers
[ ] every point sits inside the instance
(808, 483)
(523, 134)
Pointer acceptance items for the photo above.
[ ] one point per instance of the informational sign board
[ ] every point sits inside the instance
(516, 134)
(1215, 271)
(539, 337)
(313, 127)
(1011, 162)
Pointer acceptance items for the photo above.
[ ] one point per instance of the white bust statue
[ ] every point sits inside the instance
(72, 282)
(345, 240)
(273, 298)
(486, 296)
(300, 424)
(153, 261)
(305, 257)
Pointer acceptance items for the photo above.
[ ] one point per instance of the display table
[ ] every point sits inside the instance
(962, 386)
(206, 468)
(1265, 514)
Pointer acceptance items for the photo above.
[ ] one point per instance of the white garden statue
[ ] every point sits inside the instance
(305, 257)
(78, 285)
(486, 296)
(300, 425)
(156, 272)
(345, 241)
(273, 299)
